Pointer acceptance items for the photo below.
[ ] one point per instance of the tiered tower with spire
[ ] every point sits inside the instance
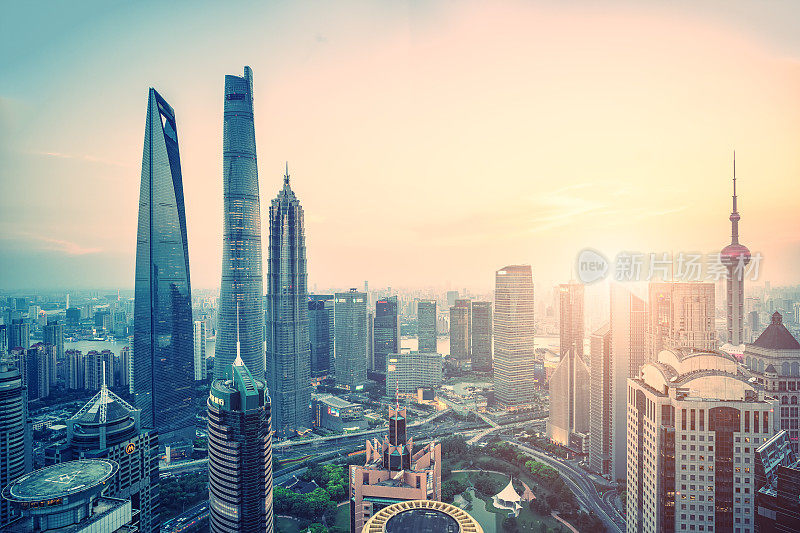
(735, 257)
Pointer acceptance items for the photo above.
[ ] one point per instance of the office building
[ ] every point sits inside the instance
(288, 352)
(16, 446)
(427, 339)
(695, 420)
(19, 335)
(241, 290)
(125, 369)
(200, 371)
(774, 360)
(680, 315)
(162, 330)
(351, 339)
(735, 257)
(568, 421)
(73, 503)
(777, 480)
(393, 471)
(422, 515)
(452, 296)
(386, 332)
(514, 330)
(370, 338)
(107, 427)
(73, 318)
(481, 336)
(321, 334)
(408, 371)
(570, 318)
(35, 367)
(335, 414)
(628, 323)
(601, 443)
(53, 334)
(460, 340)
(239, 453)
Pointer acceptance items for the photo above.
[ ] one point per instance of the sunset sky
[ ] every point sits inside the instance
(430, 143)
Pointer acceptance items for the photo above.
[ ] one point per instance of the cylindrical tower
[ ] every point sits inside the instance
(12, 432)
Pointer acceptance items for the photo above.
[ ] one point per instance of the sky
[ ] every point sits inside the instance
(429, 142)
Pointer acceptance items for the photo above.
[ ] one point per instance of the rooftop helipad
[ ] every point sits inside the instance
(61, 480)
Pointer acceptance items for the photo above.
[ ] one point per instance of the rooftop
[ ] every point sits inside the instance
(61, 480)
(776, 336)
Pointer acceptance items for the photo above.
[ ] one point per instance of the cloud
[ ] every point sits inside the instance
(43, 242)
(81, 157)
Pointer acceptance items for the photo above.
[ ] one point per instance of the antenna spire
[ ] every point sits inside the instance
(734, 181)
(238, 361)
(286, 175)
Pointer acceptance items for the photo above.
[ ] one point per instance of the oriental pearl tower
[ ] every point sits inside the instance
(735, 257)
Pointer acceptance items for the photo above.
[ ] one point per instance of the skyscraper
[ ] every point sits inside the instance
(15, 452)
(695, 421)
(460, 331)
(570, 314)
(54, 336)
(426, 327)
(628, 319)
(680, 315)
(239, 453)
(162, 329)
(514, 330)
(200, 371)
(735, 257)
(20, 334)
(241, 290)
(351, 339)
(481, 335)
(568, 422)
(320, 333)
(600, 401)
(288, 353)
(107, 427)
(386, 332)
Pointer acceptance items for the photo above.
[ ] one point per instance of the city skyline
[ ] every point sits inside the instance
(733, 88)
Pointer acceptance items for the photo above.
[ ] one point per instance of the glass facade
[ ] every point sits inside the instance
(241, 289)
(426, 327)
(288, 352)
(162, 339)
(386, 332)
(320, 333)
(351, 339)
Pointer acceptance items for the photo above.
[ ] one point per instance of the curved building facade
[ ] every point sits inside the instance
(13, 448)
(288, 352)
(242, 284)
(239, 453)
(422, 515)
(163, 352)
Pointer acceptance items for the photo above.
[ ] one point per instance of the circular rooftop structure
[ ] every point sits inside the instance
(66, 480)
(422, 516)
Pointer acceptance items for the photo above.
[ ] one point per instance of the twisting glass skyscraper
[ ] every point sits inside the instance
(242, 283)
(163, 352)
(288, 354)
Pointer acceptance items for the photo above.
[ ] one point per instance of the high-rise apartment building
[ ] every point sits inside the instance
(514, 330)
(777, 479)
(460, 314)
(601, 444)
(321, 333)
(735, 257)
(200, 370)
(53, 335)
(680, 315)
(35, 367)
(628, 323)
(408, 371)
(394, 471)
(241, 290)
(482, 336)
(351, 339)
(19, 335)
(695, 420)
(162, 330)
(125, 369)
(386, 331)
(774, 360)
(77, 369)
(288, 351)
(570, 318)
(239, 453)
(427, 339)
(16, 447)
(568, 421)
(107, 427)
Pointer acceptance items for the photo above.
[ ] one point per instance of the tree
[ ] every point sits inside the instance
(316, 527)
(510, 524)
(451, 488)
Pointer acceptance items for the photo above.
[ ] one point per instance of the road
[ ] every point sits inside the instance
(189, 520)
(583, 487)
